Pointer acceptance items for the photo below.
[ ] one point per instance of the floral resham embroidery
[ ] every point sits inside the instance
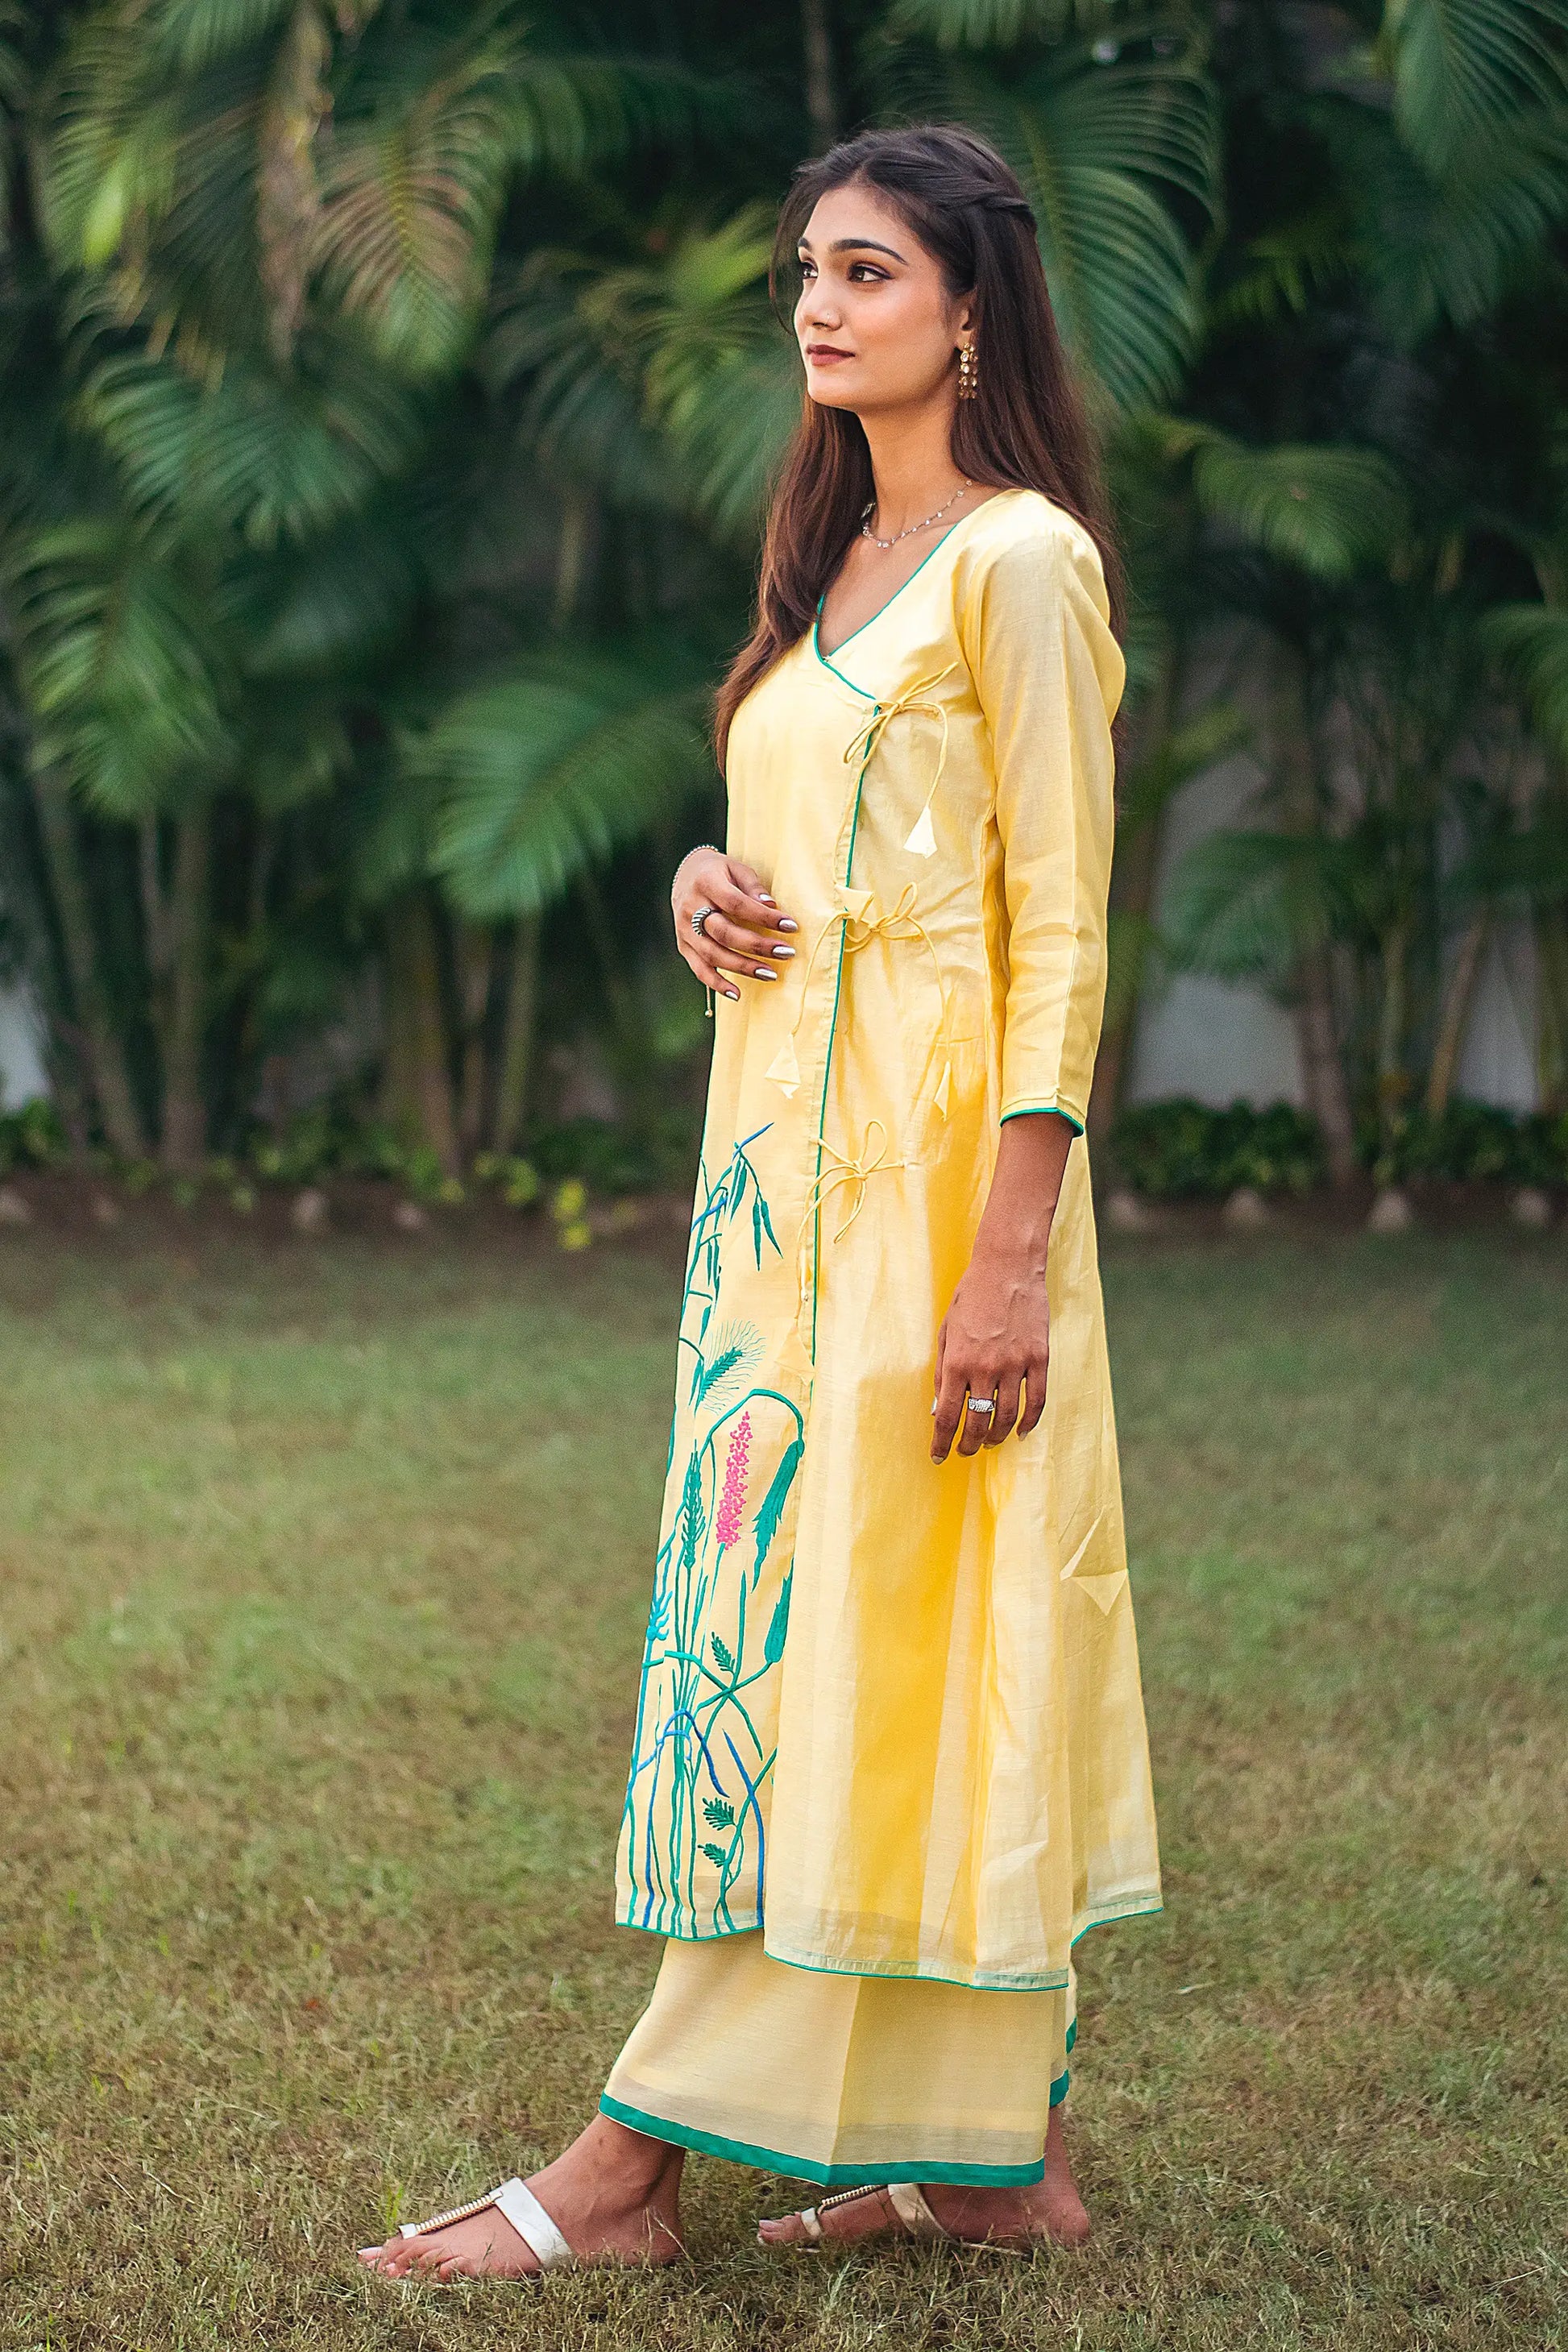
(694, 1827)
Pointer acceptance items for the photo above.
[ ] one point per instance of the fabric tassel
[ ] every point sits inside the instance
(921, 841)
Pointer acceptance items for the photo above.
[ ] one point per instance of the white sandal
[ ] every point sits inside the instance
(515, 2201)
(906, 2198)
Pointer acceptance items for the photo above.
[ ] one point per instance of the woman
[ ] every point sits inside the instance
(890, 1760)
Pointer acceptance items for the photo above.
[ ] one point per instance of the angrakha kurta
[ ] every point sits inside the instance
(890, 1713)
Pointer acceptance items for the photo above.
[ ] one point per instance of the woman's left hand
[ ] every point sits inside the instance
(996, 1340)
(995, 1343)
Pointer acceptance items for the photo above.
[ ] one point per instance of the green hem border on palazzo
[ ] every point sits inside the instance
(824, 2176)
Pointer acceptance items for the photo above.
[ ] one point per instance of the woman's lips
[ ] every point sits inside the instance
(824, 355)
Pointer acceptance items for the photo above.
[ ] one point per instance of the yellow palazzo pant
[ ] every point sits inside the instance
(842, 2080)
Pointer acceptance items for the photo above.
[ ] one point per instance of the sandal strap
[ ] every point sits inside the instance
(533, 2225)
(516, 2203)
(909, 2202)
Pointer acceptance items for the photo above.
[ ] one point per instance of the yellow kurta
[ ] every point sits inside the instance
(890, 1713)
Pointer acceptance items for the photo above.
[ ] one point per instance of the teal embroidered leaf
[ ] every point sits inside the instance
(724, 1656)
(778, 1623)
(757, 1228)
(719, 1815)
(716, 1854)
(772, 1508)
(691, 1512)
(768, 1224)
(709, 1375)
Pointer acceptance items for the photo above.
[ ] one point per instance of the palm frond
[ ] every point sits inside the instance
(544, 771)
(186, 36)
(1496, 213)
(1463, 67)
(273, 455)
(1243, 905)
(1532, 642)
(994, 24)
(330, 606)
(411, 187)
(116, 664)
(1100, 150)
(1327, 510)
(1200, 742)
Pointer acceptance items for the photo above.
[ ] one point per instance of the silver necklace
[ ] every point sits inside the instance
(870, 507)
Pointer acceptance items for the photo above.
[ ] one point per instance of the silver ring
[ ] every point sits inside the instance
(700, 919)
(982, 1405)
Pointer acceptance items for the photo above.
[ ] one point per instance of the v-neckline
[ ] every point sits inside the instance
(827, 659)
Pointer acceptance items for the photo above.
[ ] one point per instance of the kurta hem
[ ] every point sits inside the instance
(824, 2176)
(977, 1981)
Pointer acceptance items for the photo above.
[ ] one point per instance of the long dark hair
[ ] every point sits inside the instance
(1027, 427)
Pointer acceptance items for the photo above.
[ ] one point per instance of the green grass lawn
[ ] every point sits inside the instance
(318, 1623)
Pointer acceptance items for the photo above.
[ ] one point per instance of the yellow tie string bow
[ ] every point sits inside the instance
(922, 840)
(848, 1167)
(860, 928)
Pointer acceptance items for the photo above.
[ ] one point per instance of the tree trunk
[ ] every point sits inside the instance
(188, 910)
(1552, 999)
(103, 1051)
(517, 1036)
(572, 554)
(1455, 1013)
(1133, 876)
(821, 98)
(637, 1075)
(1323, 1066)
(476, 958)
(1317, 1030)
(1391, 1022)
(419, 1092)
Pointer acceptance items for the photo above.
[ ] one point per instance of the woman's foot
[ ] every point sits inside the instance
(1048, 2211)
(614, 2195)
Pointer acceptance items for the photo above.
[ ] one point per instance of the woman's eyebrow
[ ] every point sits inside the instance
(852, 245)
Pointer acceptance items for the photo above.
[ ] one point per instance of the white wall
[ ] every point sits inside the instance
(1202, 1037)
(22, 1072)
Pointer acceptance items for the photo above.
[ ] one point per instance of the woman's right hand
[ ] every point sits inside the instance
(742, 933)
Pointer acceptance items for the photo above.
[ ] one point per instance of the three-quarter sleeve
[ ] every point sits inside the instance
(1048, 674)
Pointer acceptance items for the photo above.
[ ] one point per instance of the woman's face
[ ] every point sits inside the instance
(874, 322)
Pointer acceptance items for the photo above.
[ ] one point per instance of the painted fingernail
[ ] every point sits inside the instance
(784, 951)
(734, 993)
(788, 923)
(766, 898)
(763, 972)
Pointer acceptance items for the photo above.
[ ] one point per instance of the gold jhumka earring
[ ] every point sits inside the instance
(968, 371)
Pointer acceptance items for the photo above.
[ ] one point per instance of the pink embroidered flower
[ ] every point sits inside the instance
(732, 1500)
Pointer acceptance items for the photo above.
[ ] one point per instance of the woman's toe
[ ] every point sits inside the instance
(782, 2230)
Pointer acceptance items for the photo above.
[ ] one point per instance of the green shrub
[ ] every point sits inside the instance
(1473, 1142)
(608, 1158)
(1184, 1150)
(31, 1137)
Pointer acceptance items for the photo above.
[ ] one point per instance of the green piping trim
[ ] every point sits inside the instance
(1046, 1983)
(832, 1035)
(1138, 1910)
(825, 2176)
(828, 660)
(1071, 2037)
(1108, 1918)
(1059, 2090)
(1032, 1111)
